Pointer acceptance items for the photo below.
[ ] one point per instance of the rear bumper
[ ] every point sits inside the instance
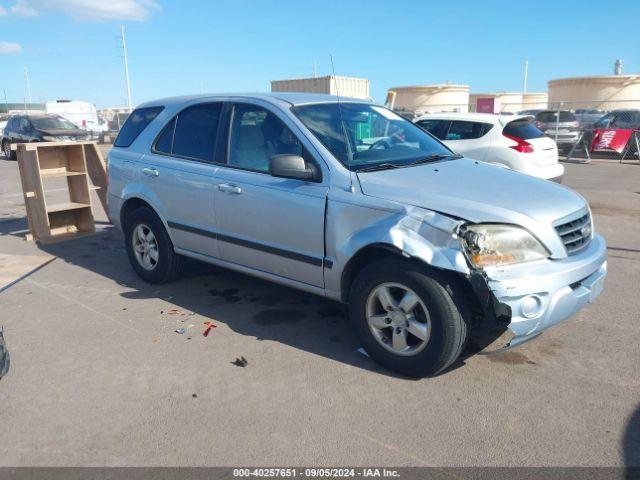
(553, 171)
(114, 204)
(563, 138)
(543, 294)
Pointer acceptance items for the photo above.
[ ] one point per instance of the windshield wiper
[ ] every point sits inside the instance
(380, 166)
(435, 156)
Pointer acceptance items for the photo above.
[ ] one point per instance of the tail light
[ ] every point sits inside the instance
(522, 145)
(84, 123)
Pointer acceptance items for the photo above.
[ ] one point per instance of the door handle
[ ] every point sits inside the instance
(150, 172)
(229, 188)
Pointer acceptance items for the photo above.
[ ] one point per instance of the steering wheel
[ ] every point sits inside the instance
(382, 143)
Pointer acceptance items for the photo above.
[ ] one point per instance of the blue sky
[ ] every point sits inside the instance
(71, 47)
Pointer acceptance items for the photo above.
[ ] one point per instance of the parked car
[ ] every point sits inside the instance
(586, 117)
(513, 142)
(4, 117)
(628, 119)
(624, 119)
(80, 113)
(533, 112)
(561, 125)
(350, 201)
(39, 128)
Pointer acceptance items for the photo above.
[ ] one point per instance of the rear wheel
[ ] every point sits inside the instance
(149, 247)
(6, 149)
(407, 318)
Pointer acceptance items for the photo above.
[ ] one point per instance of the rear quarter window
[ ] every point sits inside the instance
(135, 124)
(523, 129)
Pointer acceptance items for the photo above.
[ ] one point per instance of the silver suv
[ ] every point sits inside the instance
(348, 200)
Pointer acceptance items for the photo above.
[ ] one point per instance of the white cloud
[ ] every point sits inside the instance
(3, 11)
(8, 48)
(136, 10)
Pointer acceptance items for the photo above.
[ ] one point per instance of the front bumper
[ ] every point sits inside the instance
(542, 294)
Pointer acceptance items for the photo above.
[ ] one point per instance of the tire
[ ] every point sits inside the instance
(6, 149)
(167, 265)
(444, 320)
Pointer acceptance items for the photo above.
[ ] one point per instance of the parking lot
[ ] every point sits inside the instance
(99, 376)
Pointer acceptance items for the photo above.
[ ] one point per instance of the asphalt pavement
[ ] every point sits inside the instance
(100, 377)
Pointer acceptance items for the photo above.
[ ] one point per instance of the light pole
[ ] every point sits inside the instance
(126, 68)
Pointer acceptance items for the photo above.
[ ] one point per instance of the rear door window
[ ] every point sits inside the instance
(135, 124)
(523, 129)
(466, 130)
(195, 132)
(435, 127)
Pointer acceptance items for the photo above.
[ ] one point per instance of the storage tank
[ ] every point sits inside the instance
(429, 98)
(503, 101)
(607, 92)
(343, 86)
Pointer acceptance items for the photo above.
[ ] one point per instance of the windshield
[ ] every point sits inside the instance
(362, 136)
(52, 123)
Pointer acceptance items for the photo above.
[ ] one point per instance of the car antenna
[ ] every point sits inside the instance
(344, 131)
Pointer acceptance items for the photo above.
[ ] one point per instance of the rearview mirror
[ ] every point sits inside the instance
(292, 166)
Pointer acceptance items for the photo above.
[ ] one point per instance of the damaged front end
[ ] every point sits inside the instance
(522, 297)
(515, 287)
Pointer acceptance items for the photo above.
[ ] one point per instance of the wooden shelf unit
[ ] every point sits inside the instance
(50, 222)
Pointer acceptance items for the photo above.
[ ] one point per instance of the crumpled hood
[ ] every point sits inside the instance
(475, 191)
(65, 133)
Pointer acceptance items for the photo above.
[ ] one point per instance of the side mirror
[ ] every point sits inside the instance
(292, 166)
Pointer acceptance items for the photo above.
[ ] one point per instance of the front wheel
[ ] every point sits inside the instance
(407, 318)
(149, 247)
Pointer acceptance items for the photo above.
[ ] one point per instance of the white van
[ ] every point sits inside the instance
(82, 114)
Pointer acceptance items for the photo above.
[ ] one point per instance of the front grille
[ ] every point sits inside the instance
(575, 234)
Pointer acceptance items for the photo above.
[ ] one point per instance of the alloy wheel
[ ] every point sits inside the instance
(398, 319)
(145, 247)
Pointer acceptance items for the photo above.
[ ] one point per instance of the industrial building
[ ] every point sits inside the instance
(344, 86)
(509, 102)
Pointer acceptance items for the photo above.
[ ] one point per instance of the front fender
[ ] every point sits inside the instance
(415, 232)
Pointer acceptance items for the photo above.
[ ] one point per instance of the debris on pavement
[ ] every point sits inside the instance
(210, 326)
(362, 351)
(180, 331)
(240, 362)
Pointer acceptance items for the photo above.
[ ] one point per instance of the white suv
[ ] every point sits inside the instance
(511, 141)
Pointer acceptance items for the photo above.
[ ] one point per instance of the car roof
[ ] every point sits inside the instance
(492, 118)
(291, 98)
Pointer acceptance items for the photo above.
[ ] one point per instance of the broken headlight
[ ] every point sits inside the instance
(488, 245)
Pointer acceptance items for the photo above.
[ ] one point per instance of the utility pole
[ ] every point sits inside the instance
(315, 68)
(26, 80)
(526, 72)
(6, 104)
(126, 68)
